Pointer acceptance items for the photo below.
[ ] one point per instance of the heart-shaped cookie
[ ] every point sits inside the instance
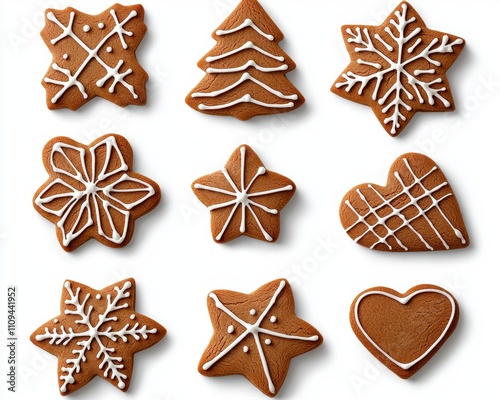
(415, 211)
(404, 330)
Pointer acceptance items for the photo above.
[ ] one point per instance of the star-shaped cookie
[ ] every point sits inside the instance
(96, 334)
(256, 335)
(94, 55)
(398, 68)
(244, 198)
(92, 191)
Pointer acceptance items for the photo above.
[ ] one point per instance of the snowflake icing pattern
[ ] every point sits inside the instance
(103, 55)
(89, 322)
(101, 198)
(243, 195)
(402, 65)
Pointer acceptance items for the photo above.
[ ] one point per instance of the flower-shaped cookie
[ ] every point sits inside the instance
(244, 198)
(96, 334)
(92, 191)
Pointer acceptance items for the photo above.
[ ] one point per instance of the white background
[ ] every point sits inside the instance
(327, 146)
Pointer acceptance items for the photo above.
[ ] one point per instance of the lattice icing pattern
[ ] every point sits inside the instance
(246, 69)
(244, 198)
(92, 191)
(96, 334)
(94, 55)
(398, 68)
(256, 335)
(415, 211)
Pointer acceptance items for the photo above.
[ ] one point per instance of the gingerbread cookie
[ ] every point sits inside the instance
(404, 330)
(256, 335)
(398, 68)
(96, 334)
(94, 55)
(246, 70)
(92, 191)
(416, 210)
(245, 182)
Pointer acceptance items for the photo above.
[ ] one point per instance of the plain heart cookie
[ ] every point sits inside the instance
(404, 330)
(415, 211)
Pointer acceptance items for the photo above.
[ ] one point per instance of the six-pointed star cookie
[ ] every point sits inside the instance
(92, 191)
(244, 198)
(94, 55)
(256, 335)
(96, 334)
(398, 68)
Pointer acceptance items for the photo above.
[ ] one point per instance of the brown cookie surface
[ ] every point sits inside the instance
(256, 335)
(244, 198)
(398, 68)
(92, 191)
(246, 70)
(94, 55)
(404, 330)
(96, 334)
(415, 211)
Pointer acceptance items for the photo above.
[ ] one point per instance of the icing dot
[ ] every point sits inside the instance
(132, 316)
(121, 385)
(98, 296)
(109, 49)
(65, 56)
(245, 349)
(273, 319)
(230, 329)
(56, 320)
(252, 311)
(86, 28)
(267, 341)
(100, 25)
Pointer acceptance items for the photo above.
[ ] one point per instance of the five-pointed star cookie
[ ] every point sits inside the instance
(94, 55)
(398, 68)
(96, 334)
(244, 198)
(92, 191)
(256, 335)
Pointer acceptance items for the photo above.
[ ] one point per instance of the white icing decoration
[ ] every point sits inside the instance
(92, 55)
(427, 193)
(94, 333)
(243, 198)
(247, 98)
(109, 49)
(100, 25)
(273, 319)
(56, 321)
(254, 330)
(65, 56)
(246, 46)
(252, 311)
(267, 341)
(244, 24)
(98, 296)
(245, 349)
(405, 300)
(248, 64)
(86, 28)
(230, 329)
(246, 77)
(398, 68)
(132, 316)
(93, 193)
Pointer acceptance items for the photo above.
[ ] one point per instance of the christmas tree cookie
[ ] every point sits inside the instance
(246, 69)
